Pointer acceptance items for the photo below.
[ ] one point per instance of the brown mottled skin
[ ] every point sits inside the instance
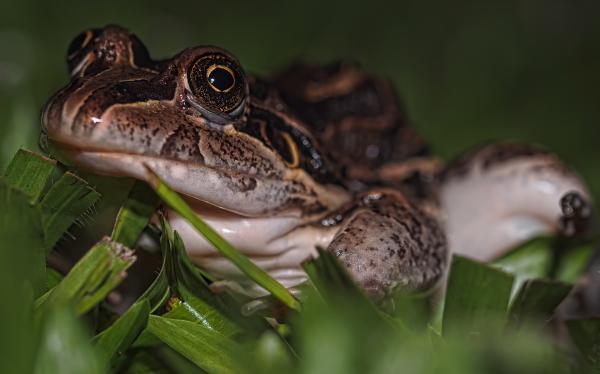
(325, 147)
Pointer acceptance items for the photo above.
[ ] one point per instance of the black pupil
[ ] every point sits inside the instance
(221, 79)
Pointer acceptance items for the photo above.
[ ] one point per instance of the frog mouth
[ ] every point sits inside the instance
(236, 192)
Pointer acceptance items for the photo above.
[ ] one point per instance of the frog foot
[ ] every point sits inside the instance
(577, 215)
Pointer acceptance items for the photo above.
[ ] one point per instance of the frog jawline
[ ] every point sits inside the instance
(222, 189)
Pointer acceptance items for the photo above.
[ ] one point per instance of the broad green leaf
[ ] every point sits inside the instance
(536, 301)
(197, 301)
(227, 250)
(574, 262)
(269, 354)
(53, 278)
(61, 200)
(331, 279)
(92, 278)
(531, 260)
(176, 362)
(159, 360)
(30, 173)
(144, 361)
(22, 239)
(477, 297)
(114, 341)
(135, 214)
(67, 200)
(19, 337)
(335, 286)
(585, 333)
(158, 292)
(64, 347)
(195, 310)
(208, 349)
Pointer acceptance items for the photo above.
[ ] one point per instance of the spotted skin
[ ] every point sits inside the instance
(310, 156)
(387, 243)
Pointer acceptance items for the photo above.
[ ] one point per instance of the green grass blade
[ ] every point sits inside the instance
(144, 361)
(227, 250)
(176, 362)
(198, 302)
(64, 346)
(585, 333)
(574, 262)
(533, 259)
(331, 279)
(92, 278)
(22, 239)
(22, 277)
(67, 200)
(53, 278)
(159, 360)
(114, 341)
(195, 310)
(336, 287)
(30, 173)
(59, 203)
(477, 297)
(536, 301)
(208, 349)
(158, 292)
(135, 214)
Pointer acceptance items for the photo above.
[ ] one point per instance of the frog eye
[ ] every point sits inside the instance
(220, 77)
(217, 84)
(79, 42)
(78, 48)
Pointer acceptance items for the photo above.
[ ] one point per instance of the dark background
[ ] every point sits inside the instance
(468, 70)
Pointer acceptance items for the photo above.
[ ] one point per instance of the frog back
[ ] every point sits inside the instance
(357, 117)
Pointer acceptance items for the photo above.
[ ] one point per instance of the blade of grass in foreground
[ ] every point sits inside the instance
(477, 297)
(227, 250)
(92, 278)
(113, 341)
(64, 345)
(135, 214)
(334, 284)
(201, 304)
(536, 300)
(208, 349)
(67, 201)
(30, 173)
(586, 336)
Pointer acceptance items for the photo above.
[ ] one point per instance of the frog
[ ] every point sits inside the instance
(312, 156)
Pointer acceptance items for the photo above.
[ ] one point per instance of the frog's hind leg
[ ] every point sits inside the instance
(499, 196)
(386, 242)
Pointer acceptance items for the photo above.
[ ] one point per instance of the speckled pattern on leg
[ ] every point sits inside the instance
(389, 243)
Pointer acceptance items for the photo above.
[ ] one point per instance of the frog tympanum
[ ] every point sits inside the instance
(312, 156)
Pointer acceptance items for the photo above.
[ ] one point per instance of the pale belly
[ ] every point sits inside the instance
(278, 245)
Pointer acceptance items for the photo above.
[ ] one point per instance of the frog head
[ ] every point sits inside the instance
(211, 131)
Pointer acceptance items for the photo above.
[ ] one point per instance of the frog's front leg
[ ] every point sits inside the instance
(387, 242)
(500, 195)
